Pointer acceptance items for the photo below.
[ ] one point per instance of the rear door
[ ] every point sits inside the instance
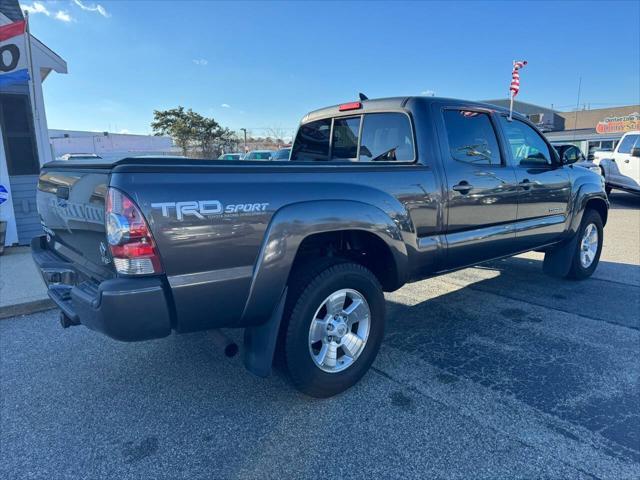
(544, 184)
(481, 192)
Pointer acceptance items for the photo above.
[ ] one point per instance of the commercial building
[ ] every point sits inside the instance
(106, 144)
(25, 63)
(589, 130)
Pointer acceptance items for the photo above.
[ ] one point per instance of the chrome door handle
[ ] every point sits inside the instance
(463, 187)
(526, 184)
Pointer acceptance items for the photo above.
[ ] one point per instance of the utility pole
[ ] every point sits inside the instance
(575, 124)
(245, 139)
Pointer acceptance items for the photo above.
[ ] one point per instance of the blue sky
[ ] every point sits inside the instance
(265, 64)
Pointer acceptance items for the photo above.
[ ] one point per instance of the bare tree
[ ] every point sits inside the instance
(277, 134)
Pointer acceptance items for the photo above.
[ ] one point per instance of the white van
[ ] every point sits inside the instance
(621, 168)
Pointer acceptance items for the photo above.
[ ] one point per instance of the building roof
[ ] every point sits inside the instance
(504, 102)
(11, 10)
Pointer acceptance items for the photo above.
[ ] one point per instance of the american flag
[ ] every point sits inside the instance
(515, 76)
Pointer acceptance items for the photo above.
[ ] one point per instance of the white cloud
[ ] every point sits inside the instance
(63, 16)
(428, 93)
(38, 7)
(225, 105)
(94, 7)
(200, 61)
(124, 131)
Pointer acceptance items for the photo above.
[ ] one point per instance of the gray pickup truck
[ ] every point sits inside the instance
(298, 253)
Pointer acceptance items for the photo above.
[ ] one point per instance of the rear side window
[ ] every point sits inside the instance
(472, 138)
(627, 144)
(312, 142)
(386, 137)
(345, 138)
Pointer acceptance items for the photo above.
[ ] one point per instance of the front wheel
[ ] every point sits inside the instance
(334, 330)
(589, 246)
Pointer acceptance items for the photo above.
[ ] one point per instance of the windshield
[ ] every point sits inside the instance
(282, 154)
(259, 156)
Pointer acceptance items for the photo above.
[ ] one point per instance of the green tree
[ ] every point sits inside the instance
(177, 124)
(189, 130)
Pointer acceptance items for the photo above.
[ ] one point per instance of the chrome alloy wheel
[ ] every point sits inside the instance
(589, 245)
(339, 330)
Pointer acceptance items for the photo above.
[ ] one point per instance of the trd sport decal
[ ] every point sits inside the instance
(202, 208)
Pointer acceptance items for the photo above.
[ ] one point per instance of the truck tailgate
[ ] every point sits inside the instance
(71, 206)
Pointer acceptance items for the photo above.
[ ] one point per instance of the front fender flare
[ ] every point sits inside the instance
(585, 193)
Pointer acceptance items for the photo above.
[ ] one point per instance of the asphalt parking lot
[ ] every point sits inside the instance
(491, 372)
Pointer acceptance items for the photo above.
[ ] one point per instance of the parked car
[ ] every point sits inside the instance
(621, 168)
(259, 155)
(282, 154)
(377, 193)
(231, 156)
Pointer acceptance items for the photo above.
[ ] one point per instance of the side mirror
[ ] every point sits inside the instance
(635, 152)
(566, 160)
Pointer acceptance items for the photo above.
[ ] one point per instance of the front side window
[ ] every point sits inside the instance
(386, 137)
(472, 138)
(627, 143)
(528, 149)
(312, 142)
(345, 138)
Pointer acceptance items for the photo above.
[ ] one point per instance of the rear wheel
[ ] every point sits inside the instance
(334, 329)
(588, 247)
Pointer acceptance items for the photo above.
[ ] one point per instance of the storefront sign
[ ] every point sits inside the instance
(621, 124)
(13, 54)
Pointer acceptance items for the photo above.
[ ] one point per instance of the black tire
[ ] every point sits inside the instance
(577, 270)
(307, 294)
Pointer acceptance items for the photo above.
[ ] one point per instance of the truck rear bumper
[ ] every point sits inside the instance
(127, 309)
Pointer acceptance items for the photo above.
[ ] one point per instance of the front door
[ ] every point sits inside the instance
(481, 188)
(628, 166)
(544, 185)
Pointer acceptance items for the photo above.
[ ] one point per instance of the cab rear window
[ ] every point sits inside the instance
(373, 137)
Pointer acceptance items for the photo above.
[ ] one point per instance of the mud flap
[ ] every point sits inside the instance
(557, 262)
(260, 342)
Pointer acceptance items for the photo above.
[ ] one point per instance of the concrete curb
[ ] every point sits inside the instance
(26, 308)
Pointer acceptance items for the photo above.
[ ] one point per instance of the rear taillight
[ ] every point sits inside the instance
(132, 247)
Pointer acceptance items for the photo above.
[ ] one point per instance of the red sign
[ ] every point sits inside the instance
(625, 123)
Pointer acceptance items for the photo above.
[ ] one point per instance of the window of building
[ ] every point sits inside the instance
(386, 137)
(312, 142)
(472, 138)
(19, 138)
(345, 138)
(628, 143)
(528, 149)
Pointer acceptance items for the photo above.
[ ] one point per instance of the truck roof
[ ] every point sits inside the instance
(394, 103)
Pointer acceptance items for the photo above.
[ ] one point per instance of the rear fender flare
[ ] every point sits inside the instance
(291, 225)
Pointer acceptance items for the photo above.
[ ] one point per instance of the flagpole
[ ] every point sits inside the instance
(511, 106)
(511, 95)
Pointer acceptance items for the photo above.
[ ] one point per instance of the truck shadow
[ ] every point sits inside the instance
(564, 348)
